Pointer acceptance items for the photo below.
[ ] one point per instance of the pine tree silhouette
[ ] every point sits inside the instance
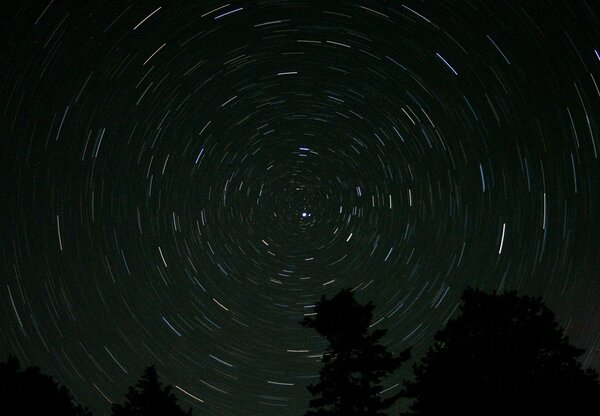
(355, 362)
(29, 392)
(503, 355)
(149, 398)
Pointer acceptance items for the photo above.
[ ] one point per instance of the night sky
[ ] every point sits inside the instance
(182, 181)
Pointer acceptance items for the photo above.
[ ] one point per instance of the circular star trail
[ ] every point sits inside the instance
(184, 181)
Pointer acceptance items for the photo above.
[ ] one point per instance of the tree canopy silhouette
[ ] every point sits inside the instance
(29, 392)
(503, 355)
(354, 363)
(149, 398)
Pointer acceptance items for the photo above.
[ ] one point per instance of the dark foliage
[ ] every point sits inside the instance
(355, 362)
(503, 355)
(149, 398)
(29, 392)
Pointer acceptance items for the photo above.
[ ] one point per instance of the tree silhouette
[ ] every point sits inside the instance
(354, 363)
(29, 392)
(149, 398)
(503, 355)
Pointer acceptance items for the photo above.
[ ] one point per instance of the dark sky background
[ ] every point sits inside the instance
(182, 181)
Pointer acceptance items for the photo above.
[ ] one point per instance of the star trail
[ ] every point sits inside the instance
(182, 181)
